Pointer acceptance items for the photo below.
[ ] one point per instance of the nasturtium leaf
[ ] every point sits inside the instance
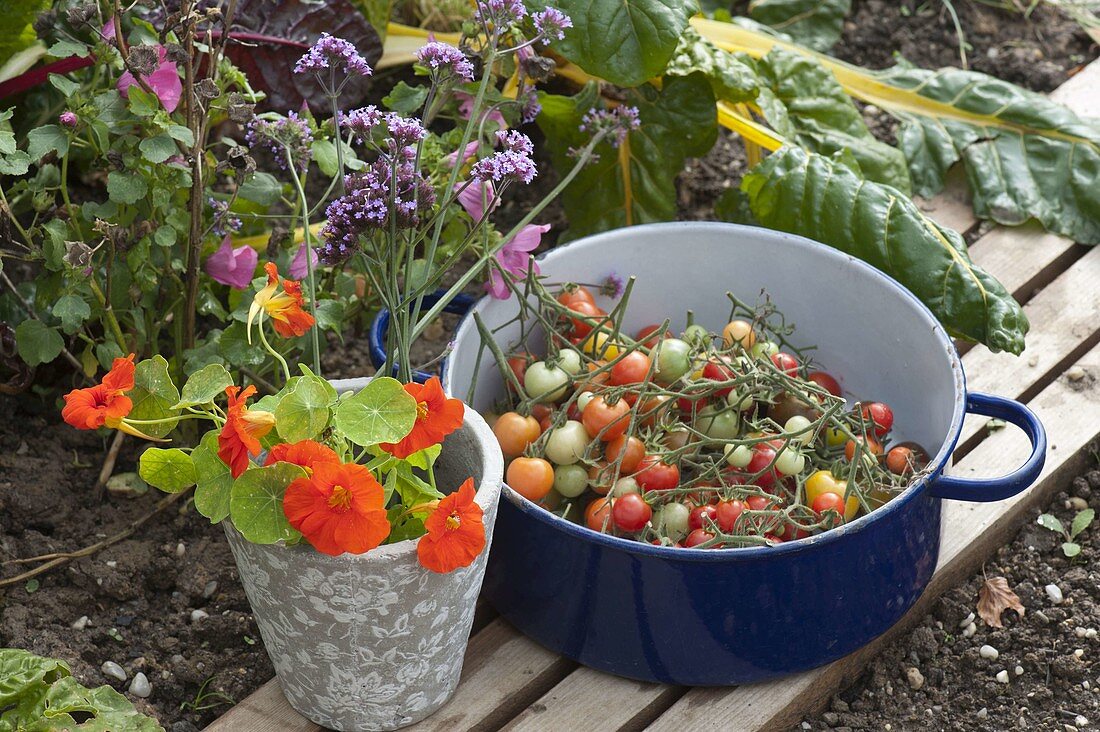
(37, 343)
(165, 236)
(170, 470)
(1050, 521)
(814, 23)
(204, 386)
(804, 193)
(46, 138)
(158, 148)
(635, 183)
(424, 458)
(72, 311)
(626, 42)
(381, 412)
(261, 188)
(213, 481)
(7, 136)
(154, 396)
(732, 78)
(126, 186)
(304, 412)
(256, 503)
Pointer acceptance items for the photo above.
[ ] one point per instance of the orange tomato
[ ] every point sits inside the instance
(532, 478)
(632, 450)
(515, 432)
(597, 514)
(605, 421)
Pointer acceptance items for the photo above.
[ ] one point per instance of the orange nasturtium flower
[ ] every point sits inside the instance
(304, 453)
(338, 508)
(240, 437)
(105, 403)
(284, 308)
(436, 417)
(456, 532)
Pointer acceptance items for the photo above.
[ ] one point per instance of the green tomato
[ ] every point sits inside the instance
(570, 480)
(739, 402)
(671, 520)
(738, 456)
(583, 399)
(718, 424)
(697, 335)
(545, 383)
(566, 444)
(790, 462)
(673, 360)
(569, 361)
(624, 485)
(764, 349)
(799, 424)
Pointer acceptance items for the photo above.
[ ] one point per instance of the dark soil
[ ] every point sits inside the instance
(936, 677)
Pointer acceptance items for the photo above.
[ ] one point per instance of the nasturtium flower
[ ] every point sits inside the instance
(456, 532)
(284, 308)
(304, 453)
(104, 404)
(339, 508)
(436, 417)
(240, 437)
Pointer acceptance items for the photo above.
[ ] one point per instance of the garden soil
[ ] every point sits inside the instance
(167, 601)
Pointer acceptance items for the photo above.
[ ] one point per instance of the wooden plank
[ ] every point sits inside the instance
(606, 703)
(1071, 413)
(951, 207)
(264, 710)
(1079, 92)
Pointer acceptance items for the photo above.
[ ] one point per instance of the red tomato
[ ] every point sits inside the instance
(653, 474)
(702, 516)
(605, 421)
(597, 513)
(759, 503)
(880, 415)
(773, 538)
(726, 514)
(905, 458)
(582, 328)
(649, 337)
(825, 381)
(574, 294)
(786, 363)
(697, 537)
(633, 368)
(763, 454)
(632, 450)
(544, 414)
(719, 372)
(532, 478)
(600, 476)
(630, 512)
(850, 446)
(691, 404)
(827, 501)
(653, 409)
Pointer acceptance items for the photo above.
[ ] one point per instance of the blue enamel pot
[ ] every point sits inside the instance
(733, 616)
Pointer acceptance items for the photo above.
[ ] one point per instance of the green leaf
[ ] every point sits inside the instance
(204, 385)
(256, 503)
(18, 32)
(381, 412)
(1081, 522)
(261, 188)
(170, 470)
(424, 458)
(126, 186)
(63, 84)
(157, 149)
(802, 101)
(213, 481)
(626, 42)
(304, 412)
(37, 343)
(183, 134)
(164, 236)
(1071, 549)
(154, 396)
(636, 183)
(807, 194)
(72, 311)
(324, 154)
(67, 47)
(405, 99)
(142, 103)
(234, 347)
(731, 78)
(814, 23)
(46, 138)
(1050, 521)
(330, 315)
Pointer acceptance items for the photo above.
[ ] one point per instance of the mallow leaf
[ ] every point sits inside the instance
(813, 23)
(807, 194)
(636, 182)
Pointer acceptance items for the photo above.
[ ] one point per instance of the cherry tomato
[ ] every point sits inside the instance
(759, 503)
(696, 397)
(630, 512)
(570, 480)
(719, 372)
(823, 481)
(672, 520)
(597, 514)
(598, 344)
(905, 458)
(697, 537)
(581, 328)
(673, 360)
(825, 381)
(739, 331)
(850, 447)
(532, 478)
(544, 413)
(773, 538)
(827, 501)
(880, 415)
(650, 337)
(763, 455)
(567, 444)
(518, 364)
(605, 421)
(633, 368)
(515, 432)
(570, 361)
(727, 513)
(600, 477)
(702, 516)
(544, 382)
(632, 450)
(786, 363)
(571, 295)
(653, 474)
(653, 409)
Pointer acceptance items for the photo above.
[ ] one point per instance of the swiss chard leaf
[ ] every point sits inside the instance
(731, 78)
(635, 183)
(814, 23)
(804, 193)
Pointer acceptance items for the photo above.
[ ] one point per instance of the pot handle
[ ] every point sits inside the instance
(380, 326)
(996, 489)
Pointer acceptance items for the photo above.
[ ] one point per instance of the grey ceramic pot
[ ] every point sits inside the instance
(372, 641)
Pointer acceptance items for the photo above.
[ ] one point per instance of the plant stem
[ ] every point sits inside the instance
(307, 240)
(109, 313)
(278, 356)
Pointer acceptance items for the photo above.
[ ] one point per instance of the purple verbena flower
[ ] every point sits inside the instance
(334, 53)
(504, 167)
(362, 121)
(290, 131)
(500, 13)
(404, 131)
(551, 24)
(531, 108)
(618, 122)
(613, 286)
(443, 60)
(68, 119)
(515, 141)
(224, 221)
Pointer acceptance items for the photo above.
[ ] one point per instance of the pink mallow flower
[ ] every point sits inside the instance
(164, 81)
(514, 256)
(233, 267)
(466, 108)
(299, 266)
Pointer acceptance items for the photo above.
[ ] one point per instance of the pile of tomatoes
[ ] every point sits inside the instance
(702, 439)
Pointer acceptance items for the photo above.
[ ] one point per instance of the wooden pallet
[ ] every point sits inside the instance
(509, 682)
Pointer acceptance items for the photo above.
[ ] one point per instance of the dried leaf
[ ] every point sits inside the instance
(994, 598)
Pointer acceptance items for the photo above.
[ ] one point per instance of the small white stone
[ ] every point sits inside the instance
(888, 727)
(807, 725)
(989, 652)
(1090, 633)
(112, 669)
(1078, 504)
(1076, 373)
(967, 620)
(916, 679)
(1002, 676)
(1079, 632)
(1081, 721)
(983, 713)
(1085, 684)
(140, 686)
(1054, 592)
(1019, 670)
(80, 623)
(180, 549)
(970, 631)
(112, 563)
(197, 615)
(1079, 652)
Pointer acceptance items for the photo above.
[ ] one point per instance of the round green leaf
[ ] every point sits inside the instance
(37, 342)
(304, 412)
(204, 385)
(213, 481)
(170, 470)
(256, 503)
(154, 396)
(72, 311)
(381, 412)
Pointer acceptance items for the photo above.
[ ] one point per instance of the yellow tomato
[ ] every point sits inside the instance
(599, 345)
